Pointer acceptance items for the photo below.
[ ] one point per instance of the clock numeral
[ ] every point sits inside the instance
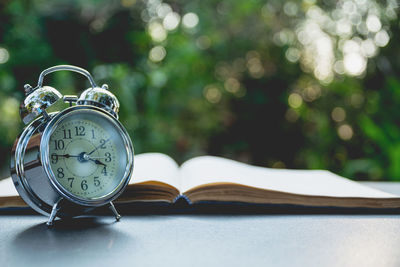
(71, 180)
(84, 185)
(103, 143)
(67, 134)
(104, 171)
(80, 131)
(108, 157)
(96, 181)
(54, 158)
(60, 173)
(59, 144)
(93, 136)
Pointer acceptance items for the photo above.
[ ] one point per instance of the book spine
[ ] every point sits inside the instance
(187, 199)
(184, 197)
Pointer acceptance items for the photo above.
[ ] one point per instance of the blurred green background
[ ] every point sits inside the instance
(283, 84)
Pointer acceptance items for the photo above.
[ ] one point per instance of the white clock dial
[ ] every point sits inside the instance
(87, 155)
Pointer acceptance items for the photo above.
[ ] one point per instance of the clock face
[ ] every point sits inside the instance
(87, 154)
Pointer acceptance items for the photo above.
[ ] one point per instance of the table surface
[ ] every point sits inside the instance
(205, 240)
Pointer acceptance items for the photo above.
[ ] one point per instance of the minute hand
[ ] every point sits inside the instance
(91, 152)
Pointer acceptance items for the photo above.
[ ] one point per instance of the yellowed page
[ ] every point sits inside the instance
(209, 169)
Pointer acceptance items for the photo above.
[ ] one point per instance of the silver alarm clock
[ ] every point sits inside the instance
(74, 155)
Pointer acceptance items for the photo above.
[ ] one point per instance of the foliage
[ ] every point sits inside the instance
(297, 84)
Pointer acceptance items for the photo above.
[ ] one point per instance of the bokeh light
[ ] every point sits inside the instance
(157, 32)
(296, 84)
(171, 21)
(212, 94)
(190, 20)
(338, 114)
(157, 53)
(295, 100)
(4, 55)
(345, 132)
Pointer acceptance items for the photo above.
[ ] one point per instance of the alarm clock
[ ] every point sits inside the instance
(73, 155)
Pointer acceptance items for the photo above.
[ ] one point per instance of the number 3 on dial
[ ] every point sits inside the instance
(84, 155)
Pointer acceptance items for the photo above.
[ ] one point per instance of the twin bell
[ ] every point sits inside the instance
(42, 100)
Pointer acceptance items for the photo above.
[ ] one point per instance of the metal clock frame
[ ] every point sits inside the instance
(30, 164)
(62, 203)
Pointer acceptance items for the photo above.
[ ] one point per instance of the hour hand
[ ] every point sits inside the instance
(98, 162)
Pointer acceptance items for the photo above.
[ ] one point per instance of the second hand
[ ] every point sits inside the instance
(102, 144)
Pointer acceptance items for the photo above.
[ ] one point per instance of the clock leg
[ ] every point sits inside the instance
(53, 214)
(114, 211)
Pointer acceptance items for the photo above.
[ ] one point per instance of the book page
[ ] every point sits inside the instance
(155, 167)
(147, 167)
(7, 188)
(208, 169)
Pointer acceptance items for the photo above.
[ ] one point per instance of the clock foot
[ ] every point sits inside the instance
(53, 214)
(115, 212)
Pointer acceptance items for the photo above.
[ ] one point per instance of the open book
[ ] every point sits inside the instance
(158, 178)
